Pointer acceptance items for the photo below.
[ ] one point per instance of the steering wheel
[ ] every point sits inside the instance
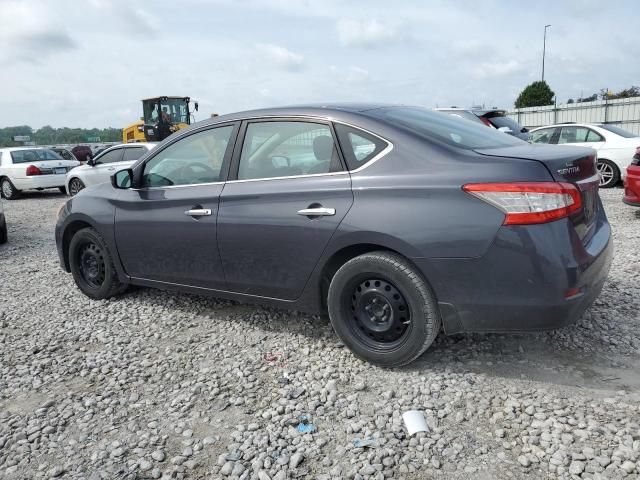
(186, 173)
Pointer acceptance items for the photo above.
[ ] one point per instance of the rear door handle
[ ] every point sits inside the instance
(317, 212)
(198, 212)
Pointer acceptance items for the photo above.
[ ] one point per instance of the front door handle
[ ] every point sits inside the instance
(198, 212)
(317, 212)
(111, 168)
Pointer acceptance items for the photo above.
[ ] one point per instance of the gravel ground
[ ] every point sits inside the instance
(163, 385)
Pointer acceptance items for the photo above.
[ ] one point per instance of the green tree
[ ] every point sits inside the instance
(535, 95)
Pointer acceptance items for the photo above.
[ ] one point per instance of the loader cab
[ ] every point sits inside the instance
(165, 115)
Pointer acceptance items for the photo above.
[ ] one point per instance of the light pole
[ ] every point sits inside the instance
(544, 48)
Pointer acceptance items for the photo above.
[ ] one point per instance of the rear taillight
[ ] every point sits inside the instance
(486, 122)
(33, 170)
(526, 203)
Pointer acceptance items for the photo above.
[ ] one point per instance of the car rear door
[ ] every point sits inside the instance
(580, 136)
(166, 229)
(288, 192)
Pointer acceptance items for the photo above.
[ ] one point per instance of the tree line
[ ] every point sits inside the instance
(52, 136)
(539, 94)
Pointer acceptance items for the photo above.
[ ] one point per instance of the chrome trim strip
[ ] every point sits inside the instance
(317, 212)
(290, 176)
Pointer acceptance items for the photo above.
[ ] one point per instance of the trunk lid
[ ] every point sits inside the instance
(576, 165)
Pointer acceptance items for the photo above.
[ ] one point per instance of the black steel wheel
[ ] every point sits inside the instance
(383, 309)
(92, 265)
(380, 313)
(75, 185)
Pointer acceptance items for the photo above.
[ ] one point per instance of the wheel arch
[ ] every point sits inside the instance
(70, 230)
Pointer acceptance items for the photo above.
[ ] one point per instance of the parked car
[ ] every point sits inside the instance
(30, 168)
(632, 182)
(64, 153)
(497, 119)
(615, 146)
(394, 220)
(82, 152)
(3, 226)
(100, 168)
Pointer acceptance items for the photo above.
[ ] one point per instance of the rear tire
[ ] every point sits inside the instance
(609, 173)
(3, 231)
(92, 266)
(75, 185)
(8, 190)
(382, 309)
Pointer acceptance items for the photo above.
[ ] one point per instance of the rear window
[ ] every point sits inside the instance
(445, 128)
(462, 114)
(35, 155)
(618, 131)
(500, 121)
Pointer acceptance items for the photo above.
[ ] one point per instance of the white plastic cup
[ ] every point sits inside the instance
(415, 422)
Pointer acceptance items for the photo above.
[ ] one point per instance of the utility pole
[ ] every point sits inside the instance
(544, 48)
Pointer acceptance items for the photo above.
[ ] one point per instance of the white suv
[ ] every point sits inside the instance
(100, 168)
(32, 168)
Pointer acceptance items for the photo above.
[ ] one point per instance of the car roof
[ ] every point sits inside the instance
(13, 149)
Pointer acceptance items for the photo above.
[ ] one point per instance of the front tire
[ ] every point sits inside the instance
(75, 185)
(609, 173)
(8, 190)
(92, 265)
(382, 309)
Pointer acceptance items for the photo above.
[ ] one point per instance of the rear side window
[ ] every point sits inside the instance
(358, 147)
(133, 153)
(285, 149)
(444, 128)
(578, 135)
(25, 156)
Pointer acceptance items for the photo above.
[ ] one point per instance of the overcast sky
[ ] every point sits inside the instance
(88, 63)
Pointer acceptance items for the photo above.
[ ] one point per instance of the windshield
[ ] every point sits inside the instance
(449, 129)
(174, 110)
(618, 131)
(35, 155)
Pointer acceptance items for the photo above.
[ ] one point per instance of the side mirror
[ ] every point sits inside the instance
(122, 179)
(195, 105)
(505, 130)
(91, 162)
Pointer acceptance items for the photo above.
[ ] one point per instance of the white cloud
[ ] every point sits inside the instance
(365, 33)
(496, 69)
(283, 58)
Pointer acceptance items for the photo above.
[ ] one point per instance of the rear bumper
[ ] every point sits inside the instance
(532, 278)
(632, 187)
(39, 181)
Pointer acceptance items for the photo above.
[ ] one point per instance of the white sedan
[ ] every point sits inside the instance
(100, 168)
(615, 146)
(31, 168)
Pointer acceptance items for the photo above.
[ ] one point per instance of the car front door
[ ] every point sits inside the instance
(103, 166)
(289, 195)
(166, 228)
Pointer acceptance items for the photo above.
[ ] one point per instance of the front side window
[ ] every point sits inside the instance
(191, 160)
(542, 136)
(358, 147)
(133, 153)
(109, 157)
(35, 155)
(284, 149)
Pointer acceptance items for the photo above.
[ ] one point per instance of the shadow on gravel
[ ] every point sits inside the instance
(550, 357)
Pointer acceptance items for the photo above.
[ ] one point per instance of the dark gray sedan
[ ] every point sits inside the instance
(396, 221)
